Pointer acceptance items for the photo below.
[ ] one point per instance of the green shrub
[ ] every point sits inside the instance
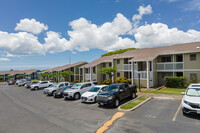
(175, 82)
(123, 80)
(107, 81)
(1, 78)
(117, 51)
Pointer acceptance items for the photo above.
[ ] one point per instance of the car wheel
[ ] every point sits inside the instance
(133, 95)
(76, 96)
(53, 92)
(116, 103)
(36, 88)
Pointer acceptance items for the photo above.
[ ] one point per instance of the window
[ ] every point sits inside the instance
(61, 85)
(44, 82)
(118, 74)
(95, 83)
(83, 86)
(66, 84)
(192, 57)
(118, 61)
(104, 64)
(193, 76)
(89, 84)
(110, 64)
(166, 59)
(166, 75)
(179, 58)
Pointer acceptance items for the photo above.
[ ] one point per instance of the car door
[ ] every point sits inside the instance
(127, 91)
(83, 88)
(121, 92)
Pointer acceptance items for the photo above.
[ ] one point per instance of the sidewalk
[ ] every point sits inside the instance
(167, 96)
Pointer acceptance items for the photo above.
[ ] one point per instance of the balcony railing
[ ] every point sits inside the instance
(127, 67)
(87, 76)
(143, 74)
(94, 76)
(169, 66)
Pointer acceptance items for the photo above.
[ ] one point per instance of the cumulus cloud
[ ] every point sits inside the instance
(4, 59)
(158, 34)
(21, 43)
(142, 11)
(192, 5)
(31, 25)
(85, 36)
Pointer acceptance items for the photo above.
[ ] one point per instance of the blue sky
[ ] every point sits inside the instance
(46, 33)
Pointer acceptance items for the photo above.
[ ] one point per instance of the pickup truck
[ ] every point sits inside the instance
(114, 93)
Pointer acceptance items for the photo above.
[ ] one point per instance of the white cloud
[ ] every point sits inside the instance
(142, 11)
(4, 59)
(21, 43)
(192, 5)
(85, 36)
(158, 34)
(31, 25)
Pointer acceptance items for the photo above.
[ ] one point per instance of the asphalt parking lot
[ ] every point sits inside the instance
(156, 116)
(25, 111)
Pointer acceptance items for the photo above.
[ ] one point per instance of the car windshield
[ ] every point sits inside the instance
(54, 85)
(76, 86)
(66, 87)
(94, 89)
(112, 88)
(194, 92)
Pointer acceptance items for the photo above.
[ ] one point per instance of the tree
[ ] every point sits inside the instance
(108, 71)
(1, 78)
(66, 74)
(20, 76)
(9, 77)
(44, 75)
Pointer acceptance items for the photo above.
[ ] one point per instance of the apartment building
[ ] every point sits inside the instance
(151, 65)
(28, 74)
(68, 67)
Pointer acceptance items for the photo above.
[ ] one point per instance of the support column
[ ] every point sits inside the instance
(4, 78)
(79, 74)
(83, 74)
(132, 74)
(147, 74)
(112, 73)
(173, 65)
(90, 74)
(74, 73)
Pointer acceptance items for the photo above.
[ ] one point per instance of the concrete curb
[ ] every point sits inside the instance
(135, 106)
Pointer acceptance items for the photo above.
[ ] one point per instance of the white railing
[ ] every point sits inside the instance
(94, 76)
(169, 66)
(87, 76)
(143, 74)
(127, 67)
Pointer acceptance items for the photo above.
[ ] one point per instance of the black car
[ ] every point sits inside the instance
(59, 92)
(114, 93)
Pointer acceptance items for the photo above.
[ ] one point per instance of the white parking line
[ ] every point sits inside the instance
(77, 101)
(175, 115)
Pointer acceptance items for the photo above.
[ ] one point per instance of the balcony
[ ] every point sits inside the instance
(87, 76)
(170, 66)
(143, 74)
(94, 76)
(127, 67)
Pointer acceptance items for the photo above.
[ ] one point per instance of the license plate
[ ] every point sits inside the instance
(198, 111)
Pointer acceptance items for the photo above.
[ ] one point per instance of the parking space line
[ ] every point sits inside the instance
(77, 101)
(175, 115)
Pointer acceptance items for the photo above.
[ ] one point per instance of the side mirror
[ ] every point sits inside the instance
(183, 93)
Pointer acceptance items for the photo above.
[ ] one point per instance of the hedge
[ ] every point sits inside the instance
(175, 82)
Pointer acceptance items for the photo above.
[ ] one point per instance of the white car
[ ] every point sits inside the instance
(78, 89)
(191, 99)
(41, 84)
(91, 95)
(50, 90)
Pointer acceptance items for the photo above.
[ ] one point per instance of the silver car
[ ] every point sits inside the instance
(78, 89)
(50, 90)
(41, 84)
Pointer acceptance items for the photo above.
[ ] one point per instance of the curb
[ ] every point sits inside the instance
(166, 98)
(135, 106)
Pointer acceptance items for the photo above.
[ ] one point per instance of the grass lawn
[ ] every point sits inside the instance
(173, 91)
(134, 103)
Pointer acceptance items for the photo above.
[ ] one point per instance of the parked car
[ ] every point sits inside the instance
(191, 99)
(40, 85)
(77, 90)
(22, 82)
(114, 93)
(59, 92)
(11, 82)
(17, 81)
(50, 90)
(28, 85)
(91, 95)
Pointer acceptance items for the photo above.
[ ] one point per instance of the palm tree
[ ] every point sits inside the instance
(66, 74)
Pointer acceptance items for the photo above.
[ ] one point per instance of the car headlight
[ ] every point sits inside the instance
(186, 102)
(110, 97)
